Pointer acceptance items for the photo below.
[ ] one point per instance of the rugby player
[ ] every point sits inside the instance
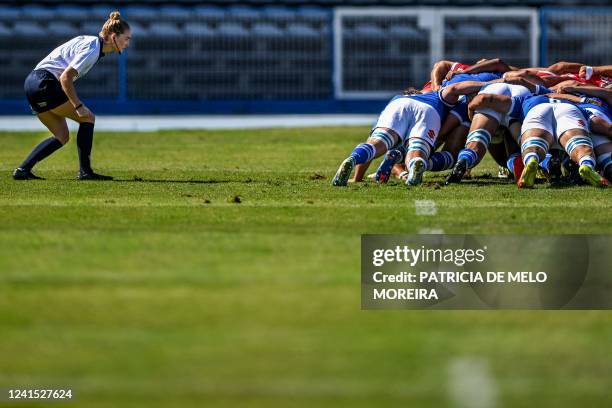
(413, 120)
(544, 121)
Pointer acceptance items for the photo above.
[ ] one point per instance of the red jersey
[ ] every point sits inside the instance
(597, 80)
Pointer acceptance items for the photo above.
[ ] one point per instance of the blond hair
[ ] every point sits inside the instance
(114, 25)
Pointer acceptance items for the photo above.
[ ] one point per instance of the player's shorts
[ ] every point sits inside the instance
(599, 140)
(43, 90)
(592, 112)
(555, 118)
(460, 111)
(410, 118)
(502, 89)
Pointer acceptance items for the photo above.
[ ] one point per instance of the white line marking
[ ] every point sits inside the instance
(425, 207)
(471, 384)
(426, 231)
(146, 123)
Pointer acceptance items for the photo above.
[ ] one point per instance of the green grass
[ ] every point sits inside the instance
(160, 289)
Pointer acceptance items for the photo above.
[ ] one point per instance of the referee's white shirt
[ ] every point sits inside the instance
(80, 53)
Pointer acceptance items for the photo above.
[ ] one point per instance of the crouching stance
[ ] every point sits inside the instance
(412, 120)
(52, 96)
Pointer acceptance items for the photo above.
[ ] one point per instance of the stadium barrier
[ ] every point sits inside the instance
(281, 59)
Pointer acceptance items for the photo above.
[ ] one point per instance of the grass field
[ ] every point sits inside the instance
(221, 269)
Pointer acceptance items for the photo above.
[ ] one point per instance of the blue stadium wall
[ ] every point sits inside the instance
(221, 58)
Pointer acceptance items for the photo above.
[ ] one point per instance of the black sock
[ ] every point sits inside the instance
(44, 149)
(84, 144)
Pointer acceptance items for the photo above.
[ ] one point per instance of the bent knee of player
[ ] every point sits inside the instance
(62, 136)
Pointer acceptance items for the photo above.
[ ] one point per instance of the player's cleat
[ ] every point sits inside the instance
(527, 179)
(503, 172)
(344, 172)
(93, 176)
(573, 172)
(608, 173)
(384, 170)
(415, 175)
(457, 172)
(23, 174)
(554, 170)
(592, 177)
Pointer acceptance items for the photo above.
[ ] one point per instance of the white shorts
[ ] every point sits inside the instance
(502, 89)
(410, 118)
(599, 140)
(592, 112)
(555, 118)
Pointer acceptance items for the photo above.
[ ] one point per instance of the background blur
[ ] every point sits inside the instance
(291, 56)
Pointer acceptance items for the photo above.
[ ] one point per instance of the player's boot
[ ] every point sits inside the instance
(592, 177)
(608, 173)
(573, 172)
(527, 179)
(23, 174)
(554, 170)
(344, 172)
(93, 176)
(503, 172)
(415, 175)
(384, 170)
(457, 172)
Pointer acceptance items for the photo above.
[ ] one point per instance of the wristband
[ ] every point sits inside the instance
(588, 72)
(78, 106)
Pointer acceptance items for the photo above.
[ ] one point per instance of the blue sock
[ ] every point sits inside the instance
(43, 150)
(441, 161)
(587, 161)
(470, 157)
(363, 153)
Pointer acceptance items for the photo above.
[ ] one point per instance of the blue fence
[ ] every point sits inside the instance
(238, 59)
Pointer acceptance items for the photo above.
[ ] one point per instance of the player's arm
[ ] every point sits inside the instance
(603, 93)
(533, 88)
(565, 97)
(561, 85)
(499, 103)
(601, 126)
(605, 70)
(451, 93)
(524, 74)
(66, 80)
(564, 67)
(489, 65)
(439, 71)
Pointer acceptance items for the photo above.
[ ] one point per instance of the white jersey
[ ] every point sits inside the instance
(80, 53)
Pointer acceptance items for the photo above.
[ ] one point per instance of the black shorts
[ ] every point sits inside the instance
(43, 90)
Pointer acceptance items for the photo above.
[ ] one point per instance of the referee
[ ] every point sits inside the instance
(52, 96)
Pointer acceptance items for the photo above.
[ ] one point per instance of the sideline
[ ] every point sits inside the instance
(153, 123)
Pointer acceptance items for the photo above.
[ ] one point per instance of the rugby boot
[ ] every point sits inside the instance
(384, 170)
(592, 177)
(93, 176)
(415, 176)
(527, 179)
(23, 174)
(344, 172)
(457, 172)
